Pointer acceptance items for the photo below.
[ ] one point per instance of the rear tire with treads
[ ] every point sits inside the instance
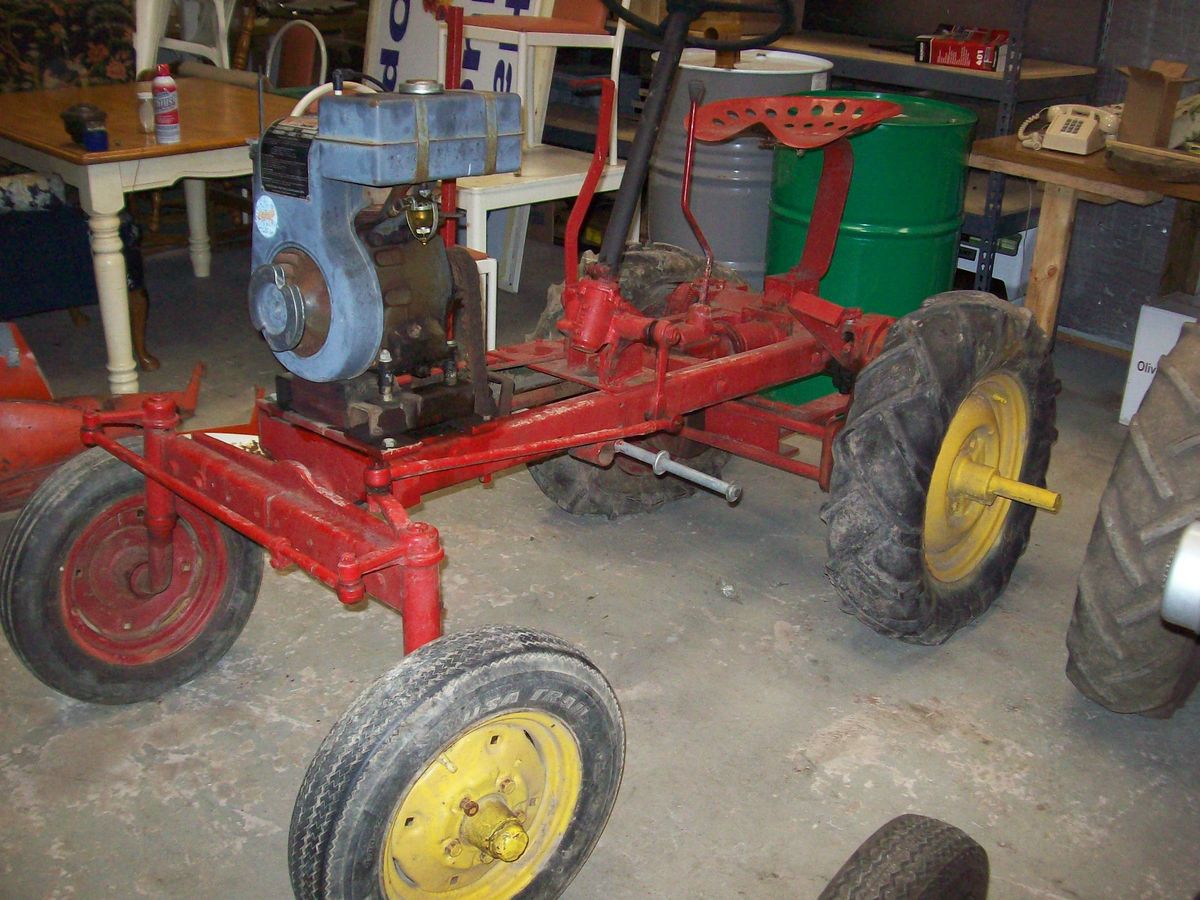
(1121, 653)
(649, 273)
(959, 351)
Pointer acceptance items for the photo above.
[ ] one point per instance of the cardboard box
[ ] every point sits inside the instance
(963, 47)
(1150, 102)
(1157, 331)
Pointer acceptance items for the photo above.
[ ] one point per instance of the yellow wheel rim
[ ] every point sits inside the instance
(506, 787)
(988, 434)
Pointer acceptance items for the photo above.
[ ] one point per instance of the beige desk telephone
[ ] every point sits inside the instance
(1070, 128)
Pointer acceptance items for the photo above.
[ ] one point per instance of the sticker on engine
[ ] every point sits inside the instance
(283, 156)
(266, 216)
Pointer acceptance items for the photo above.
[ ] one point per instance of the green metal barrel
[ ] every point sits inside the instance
(898, 242)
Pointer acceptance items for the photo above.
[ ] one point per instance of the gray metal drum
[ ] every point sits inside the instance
(731, 181)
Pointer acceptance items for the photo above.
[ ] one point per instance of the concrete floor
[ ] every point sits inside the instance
(768, 733)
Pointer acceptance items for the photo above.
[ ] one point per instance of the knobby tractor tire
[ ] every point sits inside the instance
(1121, 653)
(504, 726)
(649, 273)
(68, 597)
(913, 858)
(947, 359)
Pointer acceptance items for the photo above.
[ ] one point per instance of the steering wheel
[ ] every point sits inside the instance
(697, 8)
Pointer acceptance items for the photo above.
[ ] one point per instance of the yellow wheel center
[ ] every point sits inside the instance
(486, 814)
(976, 478)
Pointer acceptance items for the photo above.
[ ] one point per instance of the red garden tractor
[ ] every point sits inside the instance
(486, 763)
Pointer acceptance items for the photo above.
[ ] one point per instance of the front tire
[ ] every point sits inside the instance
(913, 858)
(67, 598)
(966, 377)
(1122, 654)
(503, 726)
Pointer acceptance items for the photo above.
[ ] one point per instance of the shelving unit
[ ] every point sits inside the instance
(862, 59)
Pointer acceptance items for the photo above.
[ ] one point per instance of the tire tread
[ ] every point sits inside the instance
(1120, 652)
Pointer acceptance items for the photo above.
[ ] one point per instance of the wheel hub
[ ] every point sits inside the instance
(485, 815)
(105, 606)
(976, 478)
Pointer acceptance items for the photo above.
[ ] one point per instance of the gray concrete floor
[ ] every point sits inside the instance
(768, 733)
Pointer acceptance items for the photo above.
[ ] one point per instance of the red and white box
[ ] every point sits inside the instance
(964, 47)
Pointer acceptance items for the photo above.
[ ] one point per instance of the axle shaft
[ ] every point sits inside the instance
(661, 463)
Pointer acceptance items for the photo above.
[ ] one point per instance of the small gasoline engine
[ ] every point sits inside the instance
(349, 288)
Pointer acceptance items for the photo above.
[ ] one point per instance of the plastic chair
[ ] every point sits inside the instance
(296, 56)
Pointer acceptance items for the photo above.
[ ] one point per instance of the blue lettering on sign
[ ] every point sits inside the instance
(502, 78)
(471, 57)
(398, 28)
(517, 6)
(389, 59)
(511, 48)
(468, 84)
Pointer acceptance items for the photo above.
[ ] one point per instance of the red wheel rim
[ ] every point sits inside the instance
(109, 619)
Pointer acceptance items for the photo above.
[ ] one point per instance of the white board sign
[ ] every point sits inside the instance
(402, 39)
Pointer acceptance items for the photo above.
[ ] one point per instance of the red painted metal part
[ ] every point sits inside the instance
(685, 193)
(336, 506)
(279, 505)
(588, 191)
(453, 16)
(39, 433)
(20, 376)
(803, 123)
(837, 167)
(107, 603)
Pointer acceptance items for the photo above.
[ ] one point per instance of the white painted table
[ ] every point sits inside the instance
(218, 119)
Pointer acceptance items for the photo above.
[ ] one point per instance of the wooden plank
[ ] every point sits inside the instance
(1181, 272)
(1050, 254)
(1084, 173)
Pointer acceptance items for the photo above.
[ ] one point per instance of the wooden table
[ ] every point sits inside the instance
(1067, 179)
(218, 119)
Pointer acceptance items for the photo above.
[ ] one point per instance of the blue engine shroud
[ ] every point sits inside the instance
(315, 290)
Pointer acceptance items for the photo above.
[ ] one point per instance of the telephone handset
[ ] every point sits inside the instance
(1070, 128)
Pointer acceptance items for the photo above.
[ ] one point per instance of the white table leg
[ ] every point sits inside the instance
(199, 246)
(102, 198)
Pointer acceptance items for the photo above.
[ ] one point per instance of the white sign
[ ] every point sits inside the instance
(1157, 331)
(402, 40)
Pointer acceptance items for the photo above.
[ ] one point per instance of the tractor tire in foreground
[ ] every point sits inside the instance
(1121, 653)
(963, 385)
(484, 765)
(70, 601)
(649, 273)
(913, 858)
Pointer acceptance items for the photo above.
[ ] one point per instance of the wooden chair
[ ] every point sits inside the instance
(296, 56)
